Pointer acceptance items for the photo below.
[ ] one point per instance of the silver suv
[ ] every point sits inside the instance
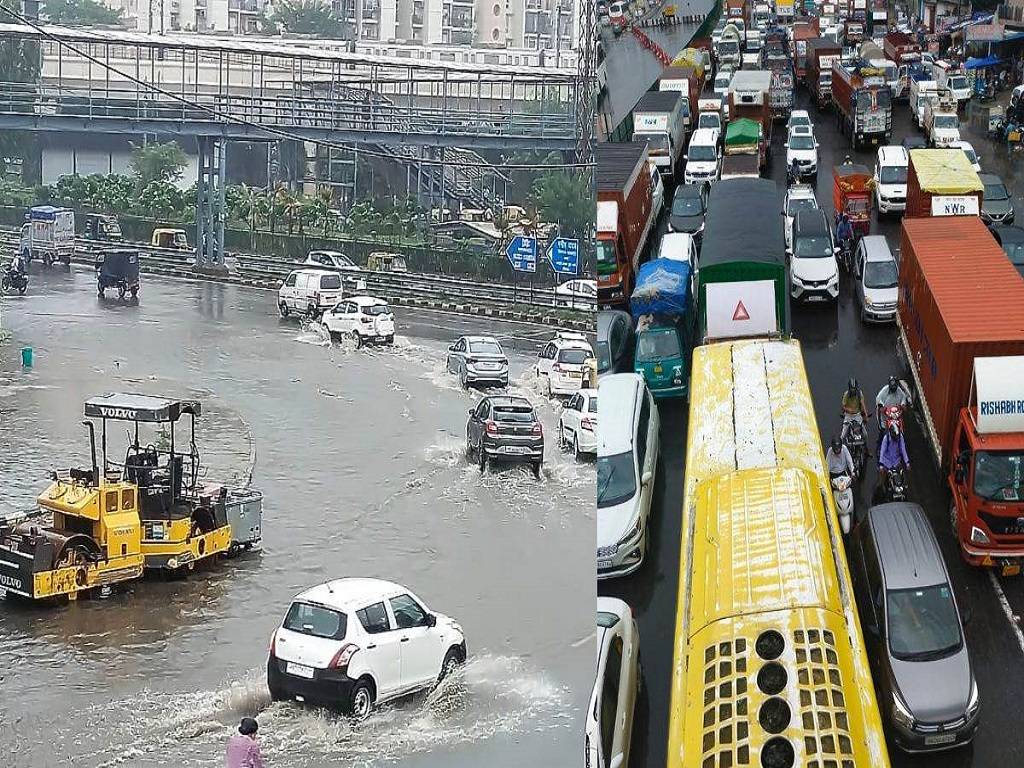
(915, 639)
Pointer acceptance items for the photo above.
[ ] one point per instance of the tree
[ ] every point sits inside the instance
(20, 62)
(162, 200)
(307, 17)
(81, 12)
(565, 199)
(157, 162)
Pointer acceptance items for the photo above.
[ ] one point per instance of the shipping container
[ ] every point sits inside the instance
(942, 182)
(960, 298)
(625, 215)
(803, 30)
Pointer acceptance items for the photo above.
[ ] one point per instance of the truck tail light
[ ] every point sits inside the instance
(343, 656)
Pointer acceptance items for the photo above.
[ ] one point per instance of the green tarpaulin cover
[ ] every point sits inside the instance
(743, 131)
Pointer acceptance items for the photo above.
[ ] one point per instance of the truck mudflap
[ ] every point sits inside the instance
(28, 575)
(17, 574)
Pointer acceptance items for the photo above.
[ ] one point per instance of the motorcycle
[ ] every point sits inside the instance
(894, 484)
(14, 280)
(856, 443)
(892, 414)
(842, 492)
(846, 254)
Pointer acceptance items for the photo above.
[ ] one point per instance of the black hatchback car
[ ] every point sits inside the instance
(689, 205)
(505, 428)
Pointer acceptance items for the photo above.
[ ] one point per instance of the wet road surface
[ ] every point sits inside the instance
(360, 456)
(837, 345)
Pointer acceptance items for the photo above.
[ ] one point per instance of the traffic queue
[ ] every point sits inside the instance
(773, 548)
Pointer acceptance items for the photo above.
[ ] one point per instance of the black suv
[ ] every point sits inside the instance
(504, 428)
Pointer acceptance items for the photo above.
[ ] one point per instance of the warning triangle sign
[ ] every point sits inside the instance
(741, 312)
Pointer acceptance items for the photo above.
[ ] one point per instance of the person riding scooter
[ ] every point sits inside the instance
(792, 173)
(839, 460)
(892, 454)
(854, 406)
(892, 394)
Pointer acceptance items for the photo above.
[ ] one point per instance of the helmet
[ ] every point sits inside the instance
(894, 430)
(837, 444)
(852, 387)
(893, 383)
(248, 726)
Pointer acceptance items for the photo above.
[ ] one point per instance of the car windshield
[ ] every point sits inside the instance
(592, 405)
(377, 309)
(709, 120)
(519, 414)
(657, 142)
(996, 192)
(485, 348)
(797, 204)
(947, 121)
(315, 620)
(959, 83)
(892, 174)
(616, 479)
(971, 156)
(606, 264)
(604, 356)
(728, 46)
(812, 247)
(801, 142)
(796, 122)
(923, 623)
(999, 475)
(659, 344)
(574, 356)
(702, 153)
(686, 206)
(880, 274)
(328, 282)
(722, 83)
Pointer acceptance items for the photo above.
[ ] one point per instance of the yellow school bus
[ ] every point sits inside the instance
(769, 663)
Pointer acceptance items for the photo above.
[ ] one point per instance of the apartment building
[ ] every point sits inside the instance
(158, 16)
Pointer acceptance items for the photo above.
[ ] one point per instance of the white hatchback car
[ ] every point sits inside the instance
(577, 426)
(562, 363)
(363, 319)
(577, 293)
(353, 644)
(972, 156)
(609, 727)
(799, 197)
(627, 458)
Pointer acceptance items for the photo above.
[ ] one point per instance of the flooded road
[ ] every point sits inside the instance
(360, 456)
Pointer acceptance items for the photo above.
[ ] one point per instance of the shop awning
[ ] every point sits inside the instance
(988, 61)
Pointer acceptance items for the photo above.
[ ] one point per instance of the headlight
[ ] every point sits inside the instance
(901, 713)
(973, 703)
(978, 536)
(867, 301)
(632, 533)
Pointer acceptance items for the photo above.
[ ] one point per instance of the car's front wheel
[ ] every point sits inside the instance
(356, 339)
(360, 701)
(452, 661)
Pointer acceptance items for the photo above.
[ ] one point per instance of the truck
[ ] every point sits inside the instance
(960, 319)
(949, 76)
(780, 94)
(922, 90)
(625, 217)
(687, 79)
(853, 32)
(784, 11)
(749, 99)
(863, 102)
(660, 118)
(941, 123)
(872, 54)
(741, 284)
(662, 305)
(760, 16)
(803, 30)
(775, 49)
(741, 167)
(942, 182)
(729, 51)
(901, 48)
(734, 9)
(821, 53)
(48, 234)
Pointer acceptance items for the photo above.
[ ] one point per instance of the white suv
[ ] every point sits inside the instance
(562, 363)
(616, 688)
(577, 425)
(891, 179)
(352, 644)
(362, 319)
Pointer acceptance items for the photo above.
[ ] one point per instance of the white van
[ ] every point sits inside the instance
(703, 160)
(628, 434)
(948, 76)
(891, 166)
(309, 291)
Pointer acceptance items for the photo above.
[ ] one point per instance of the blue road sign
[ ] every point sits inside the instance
(564, 255)
(522, 253)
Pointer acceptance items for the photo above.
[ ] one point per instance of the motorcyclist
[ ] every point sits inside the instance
(854, 406)
(892, 394)
(17, 263)
(844, 228)
(892, 454)
(839, 460)
(793, 173)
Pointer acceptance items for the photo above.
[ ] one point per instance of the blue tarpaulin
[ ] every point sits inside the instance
(662, 288)
(988, 61)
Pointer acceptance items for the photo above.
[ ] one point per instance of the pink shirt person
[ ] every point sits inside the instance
(243, 749)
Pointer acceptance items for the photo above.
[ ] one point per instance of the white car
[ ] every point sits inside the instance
(813, 268)
(657, 188)
(969, 151)
(710, 120)
(799, 197)
(678, 246)
(627, 458)
(331, 260)
(890, 177)
(577, 426)
(577, 293)
(363, 319)
(309, 291)
(802, 147)
(562, 363)
(721, 89)
(353, 644)
(703, 159)
(609, 726)
(799, 117)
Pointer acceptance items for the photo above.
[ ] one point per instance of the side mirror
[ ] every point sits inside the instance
(451, 347)
(431, 620)
(472, 411)
(835, 250)
(646, 478)
(685, 157)
(786, 145)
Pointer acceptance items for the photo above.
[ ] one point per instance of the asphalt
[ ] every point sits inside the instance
(836, 346)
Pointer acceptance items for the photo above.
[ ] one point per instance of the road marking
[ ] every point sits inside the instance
(1007, 610)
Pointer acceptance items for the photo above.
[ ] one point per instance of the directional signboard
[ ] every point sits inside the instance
(522, 253)
(564, 255)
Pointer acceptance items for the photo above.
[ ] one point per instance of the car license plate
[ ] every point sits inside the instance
(603, 563)
(815, 298)
(1011, 570)
(516, 449)
(299, 670)
(942, 738)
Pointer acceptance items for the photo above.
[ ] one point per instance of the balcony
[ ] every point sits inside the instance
(241, 6)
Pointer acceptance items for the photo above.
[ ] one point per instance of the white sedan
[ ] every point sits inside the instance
(576, 293)
(609, 728)
(363, 319)
(577, 426)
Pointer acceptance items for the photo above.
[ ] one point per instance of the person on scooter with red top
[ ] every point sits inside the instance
(892, 394)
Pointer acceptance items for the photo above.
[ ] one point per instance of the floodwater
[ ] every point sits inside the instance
(360, 456)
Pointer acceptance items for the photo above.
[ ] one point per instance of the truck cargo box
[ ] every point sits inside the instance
(960, 298)
(942, 182)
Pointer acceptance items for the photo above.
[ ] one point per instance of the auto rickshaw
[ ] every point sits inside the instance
(100, 226)
(170, 238)
(110, 522)
(851, 195)
(383, 261)
(118, 268)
